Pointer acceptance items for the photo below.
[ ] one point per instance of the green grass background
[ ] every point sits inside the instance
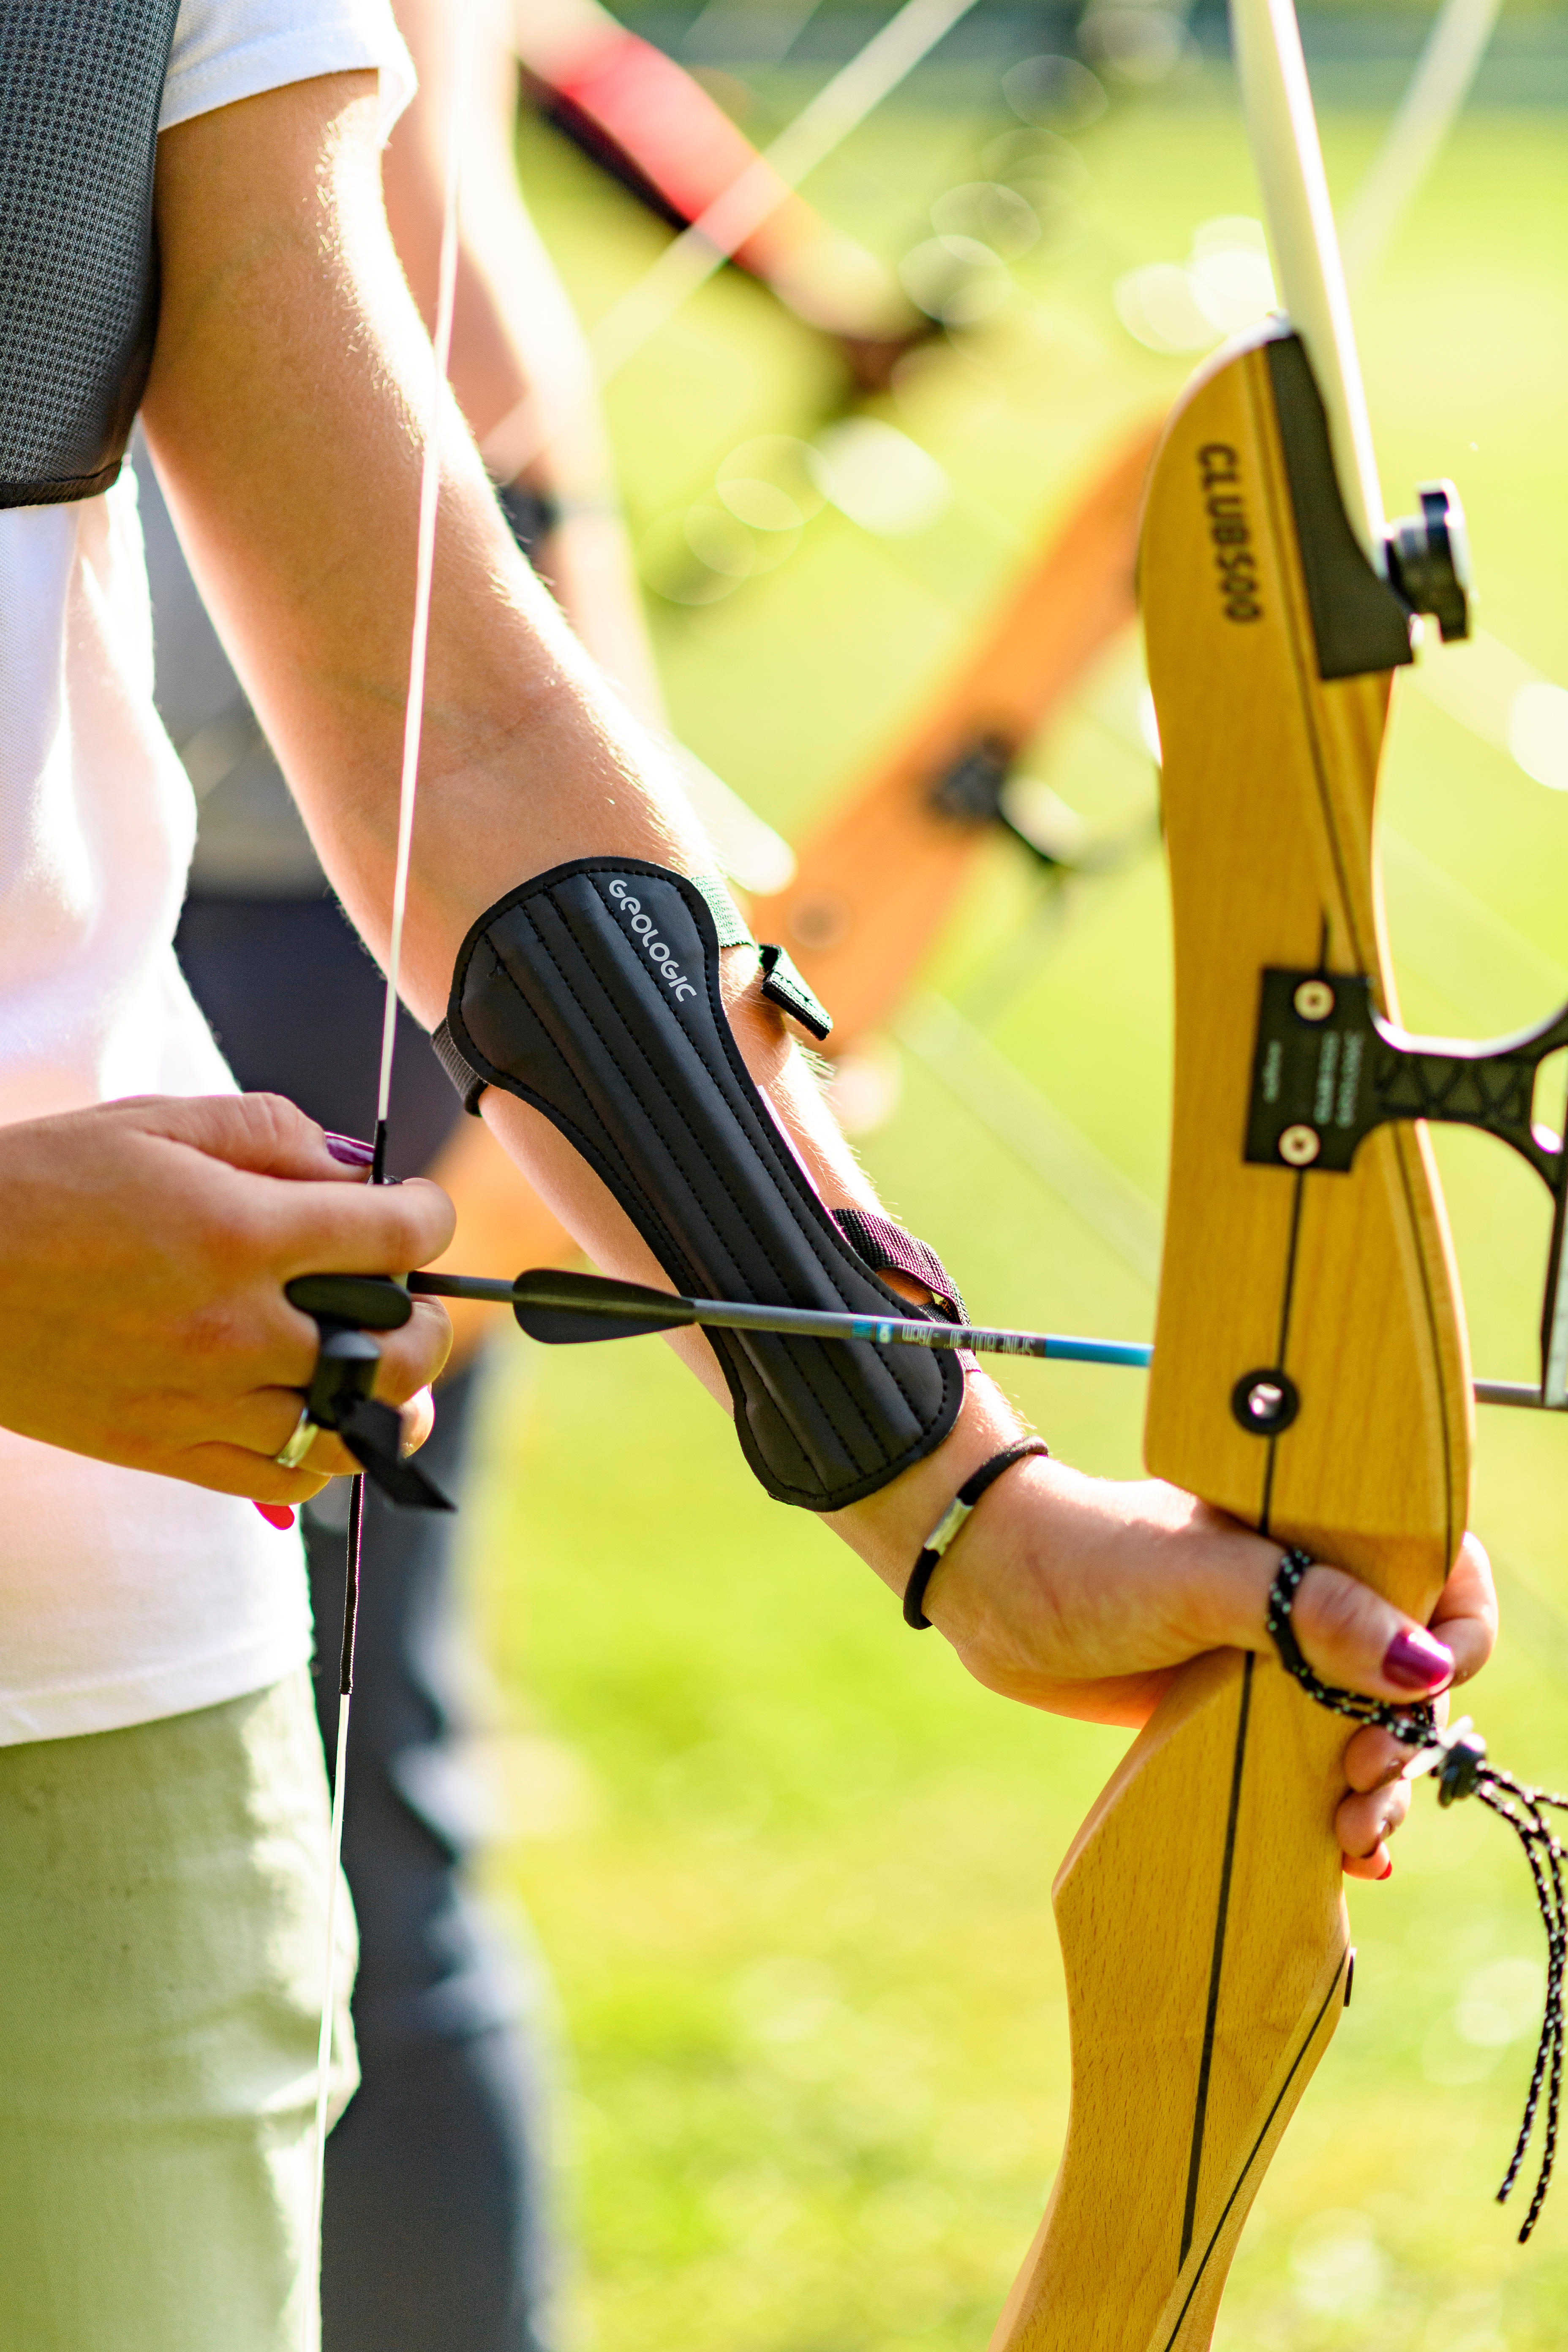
(790, 1870)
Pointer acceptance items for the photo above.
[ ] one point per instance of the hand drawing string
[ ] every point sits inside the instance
(408, 785)
(1459, 1762)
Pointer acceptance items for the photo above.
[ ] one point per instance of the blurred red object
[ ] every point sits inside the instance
(645, 120)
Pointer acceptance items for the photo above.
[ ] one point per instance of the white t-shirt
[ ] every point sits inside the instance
(124, 1597)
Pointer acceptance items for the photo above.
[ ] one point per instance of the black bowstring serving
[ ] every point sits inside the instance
(1459, 1762)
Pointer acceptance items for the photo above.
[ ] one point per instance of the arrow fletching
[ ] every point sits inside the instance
(563, 1310)
(373, 1432)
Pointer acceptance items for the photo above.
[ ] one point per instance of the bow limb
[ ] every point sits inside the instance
(1202, 1924)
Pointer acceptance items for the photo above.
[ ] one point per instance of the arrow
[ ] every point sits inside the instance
(563, 1309)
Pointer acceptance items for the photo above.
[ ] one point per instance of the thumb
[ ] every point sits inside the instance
(265, 1135)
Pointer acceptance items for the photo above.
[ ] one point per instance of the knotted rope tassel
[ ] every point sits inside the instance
(1458, 1757)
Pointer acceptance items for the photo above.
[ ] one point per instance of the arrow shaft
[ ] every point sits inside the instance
(890, 1331)
(811, 1323)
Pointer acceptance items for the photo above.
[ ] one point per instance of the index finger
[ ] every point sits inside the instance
(365, 1229)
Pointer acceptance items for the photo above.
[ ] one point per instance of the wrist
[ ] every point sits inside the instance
(889, 1529)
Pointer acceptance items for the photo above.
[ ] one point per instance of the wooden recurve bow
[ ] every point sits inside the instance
(1310, 1374)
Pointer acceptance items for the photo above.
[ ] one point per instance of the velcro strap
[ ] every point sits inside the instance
(890, 1250)
(784, 985)
(592, 993)
(468, 1083)
(728, 920)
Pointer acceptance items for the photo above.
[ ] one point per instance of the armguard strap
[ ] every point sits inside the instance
(593, 995)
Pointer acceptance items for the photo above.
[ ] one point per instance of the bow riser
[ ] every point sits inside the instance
(1203, 1927)
(1343, 1282)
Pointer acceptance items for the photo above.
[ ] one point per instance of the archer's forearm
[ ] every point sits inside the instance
(285, 410)
(521, 366)
(299, 505)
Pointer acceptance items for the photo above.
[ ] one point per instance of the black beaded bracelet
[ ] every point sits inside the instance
(952, 1519)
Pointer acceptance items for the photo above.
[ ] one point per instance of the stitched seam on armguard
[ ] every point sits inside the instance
(772, 1147)
(614, 1177)
(833, 1251)
(590, 1150)
(658, 1085)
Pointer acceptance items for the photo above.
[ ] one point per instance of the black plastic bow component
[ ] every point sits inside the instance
(1456, 1756)
(346, 1309)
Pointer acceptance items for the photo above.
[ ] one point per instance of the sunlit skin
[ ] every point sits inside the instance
(297, 507)
(147, 1245)
(515, 338)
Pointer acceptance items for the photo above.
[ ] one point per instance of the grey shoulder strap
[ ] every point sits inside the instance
(81, 83)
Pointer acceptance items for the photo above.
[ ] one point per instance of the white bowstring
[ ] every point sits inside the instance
(311, 2321)
(408, 786)
(425, 561)
(695, 256)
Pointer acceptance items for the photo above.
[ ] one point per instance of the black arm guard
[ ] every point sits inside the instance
(592, 993)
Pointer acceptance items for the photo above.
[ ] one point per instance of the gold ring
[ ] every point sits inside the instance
(290, 1456)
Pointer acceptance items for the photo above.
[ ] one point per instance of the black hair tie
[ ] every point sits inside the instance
(951, 1522)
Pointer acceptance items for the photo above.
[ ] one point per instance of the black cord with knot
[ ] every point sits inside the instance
(1457, 1758)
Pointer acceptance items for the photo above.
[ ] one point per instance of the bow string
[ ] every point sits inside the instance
(381, 1437)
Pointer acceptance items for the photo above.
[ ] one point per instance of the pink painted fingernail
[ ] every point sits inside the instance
(350, 1149)
(1417, 1663)
(1386, 1872)
(277, 1515)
